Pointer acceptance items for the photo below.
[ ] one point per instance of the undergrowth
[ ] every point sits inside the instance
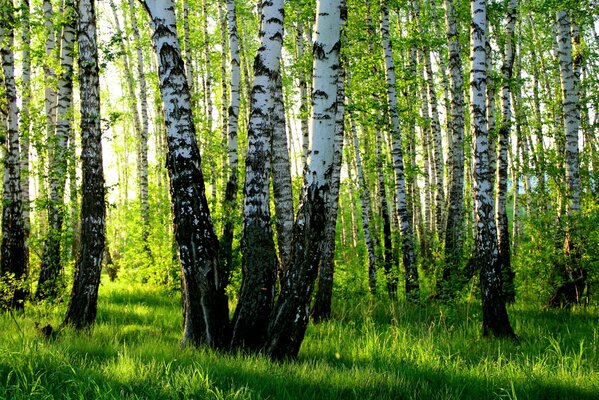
(370, 349)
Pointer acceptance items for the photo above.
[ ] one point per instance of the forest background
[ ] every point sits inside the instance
(550, 233)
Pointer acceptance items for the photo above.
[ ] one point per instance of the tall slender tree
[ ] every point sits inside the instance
(51, 268)
(503, 236)
(289, 319)
(81, 312)
(408, 252)
(495, 317)
(13, 264)
(455, 216)
(142, 157)
(259, 260)
(573, 275)
(205, 306)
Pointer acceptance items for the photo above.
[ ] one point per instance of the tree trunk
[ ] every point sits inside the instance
(454, 235)
(205, 303)
(495, 318)
(259, 259)
(573, 274)
(230, 197)
(51, 267)
(81, 312)
(324, 294)
(289, 319)
(13, 264)
(408, 254)
(25, 122)
(143, 133)
(366, 209)
(503, 235)
(303, 88)
(281, 177)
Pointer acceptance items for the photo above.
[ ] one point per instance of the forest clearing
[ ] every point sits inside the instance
(293, 199)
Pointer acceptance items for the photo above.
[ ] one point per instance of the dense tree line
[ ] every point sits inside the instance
(243, 183)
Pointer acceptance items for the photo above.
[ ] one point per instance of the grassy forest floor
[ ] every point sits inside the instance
(369, 350)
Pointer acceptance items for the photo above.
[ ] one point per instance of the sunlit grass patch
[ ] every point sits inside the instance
(369, 349)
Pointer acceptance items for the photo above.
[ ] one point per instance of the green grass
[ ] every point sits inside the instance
(370, 350)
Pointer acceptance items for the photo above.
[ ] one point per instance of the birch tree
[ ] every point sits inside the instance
(503, 236)
(408, 254)
(230, 198)
(142, 160)
(495, 317)
(455, 216)
(289, 319)
(259, 260)
(573, 274)
(205, 308)
(51, 266)
(13, 264)
(81, 312)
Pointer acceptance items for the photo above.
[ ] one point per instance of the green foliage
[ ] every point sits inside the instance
(541, 255)
(370, 349)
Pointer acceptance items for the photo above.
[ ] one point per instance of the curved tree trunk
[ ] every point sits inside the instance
(81, 312)
(290, 315)
(259, 259)
(205, 303)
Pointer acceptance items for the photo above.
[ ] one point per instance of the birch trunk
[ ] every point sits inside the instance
(495, 318)
(324, 293)
(259, 259)
(503, 235)
(230, 198)
(366, 209)
(51, 267)
(25, 122)
(573, 275)
(454, 233)
(303, 88)
(143, 133)
(81, 312)
(289, 319)
(187, 45)
(408, 254)
(281, 178)
(13, 264)
(205, 303)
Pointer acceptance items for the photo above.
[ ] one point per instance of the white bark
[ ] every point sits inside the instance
(495, 320)
(81, 312)
(259, 261)
(408, 254)
(145, 126)
(13, 256)
(570, 93)
(455, 215)
(366, 209)
(290, 316)
(205, 303)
